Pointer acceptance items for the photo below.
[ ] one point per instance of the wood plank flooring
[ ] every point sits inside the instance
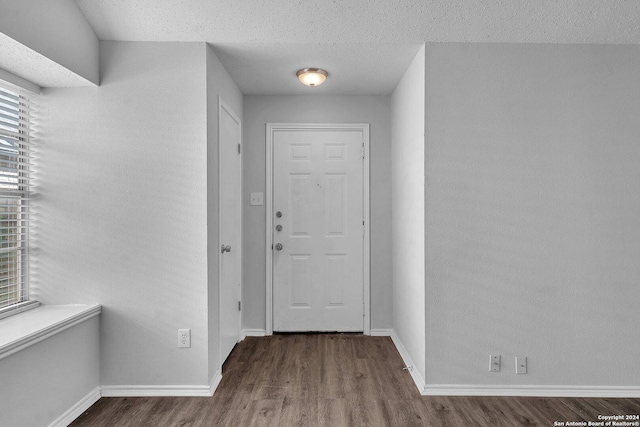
(335, 380)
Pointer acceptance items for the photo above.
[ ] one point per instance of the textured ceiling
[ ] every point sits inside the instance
(263, 42)
(18, 59)
(354, 69)
(366, 21)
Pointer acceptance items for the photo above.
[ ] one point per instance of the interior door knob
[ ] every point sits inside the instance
(279, 214)
(278, 227)
(278, 246)
(224, 248)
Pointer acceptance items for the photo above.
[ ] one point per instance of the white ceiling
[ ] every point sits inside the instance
(21, 61)
(365, 45)
(354, 69)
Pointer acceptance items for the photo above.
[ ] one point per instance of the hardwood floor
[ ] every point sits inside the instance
(335, 380)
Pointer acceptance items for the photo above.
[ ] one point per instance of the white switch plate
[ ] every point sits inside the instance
(257, 199)
(184, 338)
(494, 363)
(521, 365)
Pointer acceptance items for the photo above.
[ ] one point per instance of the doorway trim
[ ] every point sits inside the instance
(271, 128)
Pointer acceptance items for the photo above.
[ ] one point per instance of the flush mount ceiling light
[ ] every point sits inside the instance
(312, 76)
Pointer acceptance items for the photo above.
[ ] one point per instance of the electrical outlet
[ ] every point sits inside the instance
(494, 363)
(184, 338)
(521, 365)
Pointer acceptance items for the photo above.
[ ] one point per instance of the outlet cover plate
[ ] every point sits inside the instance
(494, 363)
(184, 338)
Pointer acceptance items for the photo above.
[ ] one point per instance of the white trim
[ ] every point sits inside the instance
(48, 328)
(252, 333)
(163, 390)
(417, 377)
(19, 81)
(533, 391)
(268, 230)
(504, 390)
(215, 382)
(381, 332)
(223, 105)
(78, 409)
(366, 274)
(20, 307)
(270, 129)
(157, 390)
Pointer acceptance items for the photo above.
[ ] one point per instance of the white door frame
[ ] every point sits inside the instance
(271, 129)
(224, 106)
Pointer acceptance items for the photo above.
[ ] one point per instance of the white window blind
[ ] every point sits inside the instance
(15, 155)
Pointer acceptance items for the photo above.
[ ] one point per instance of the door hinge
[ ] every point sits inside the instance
(238, 148)
(363, 151)
(239, 305)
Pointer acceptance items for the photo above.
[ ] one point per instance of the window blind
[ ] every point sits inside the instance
(15, 188)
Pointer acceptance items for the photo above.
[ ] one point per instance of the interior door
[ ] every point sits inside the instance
(230, 228)
(318, 211)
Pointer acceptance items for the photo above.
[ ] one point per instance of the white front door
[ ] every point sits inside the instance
(229, 231)
(318, 229)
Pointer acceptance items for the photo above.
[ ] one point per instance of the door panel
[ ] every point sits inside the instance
(318, 190)
(335, 201)
(230, 233)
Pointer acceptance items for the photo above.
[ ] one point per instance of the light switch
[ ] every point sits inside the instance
(257, 199)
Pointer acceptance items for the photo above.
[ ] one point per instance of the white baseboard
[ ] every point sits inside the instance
(215, 382)
(506, 390)
(134, 391)
(78, 409)
(533, 391)
(157, 390)
(380, 332)
(252, 333)
(417, 377)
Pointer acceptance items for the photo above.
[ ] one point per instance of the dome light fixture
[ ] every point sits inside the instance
(312, 76)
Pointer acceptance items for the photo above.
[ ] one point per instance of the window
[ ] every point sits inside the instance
(15, 142)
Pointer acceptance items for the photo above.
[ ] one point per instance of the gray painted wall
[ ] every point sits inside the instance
(259, 110)
(41, 382)
(122, 209)
(408, 121)
(532, 213)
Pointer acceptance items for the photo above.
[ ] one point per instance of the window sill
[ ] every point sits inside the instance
(14, 309)
(30, 327)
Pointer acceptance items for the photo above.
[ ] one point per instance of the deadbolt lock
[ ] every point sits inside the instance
(279, 214)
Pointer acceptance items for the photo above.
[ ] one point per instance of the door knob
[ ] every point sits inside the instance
(278, 246)
(279, 214)
(224, 248)
(278, 227)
